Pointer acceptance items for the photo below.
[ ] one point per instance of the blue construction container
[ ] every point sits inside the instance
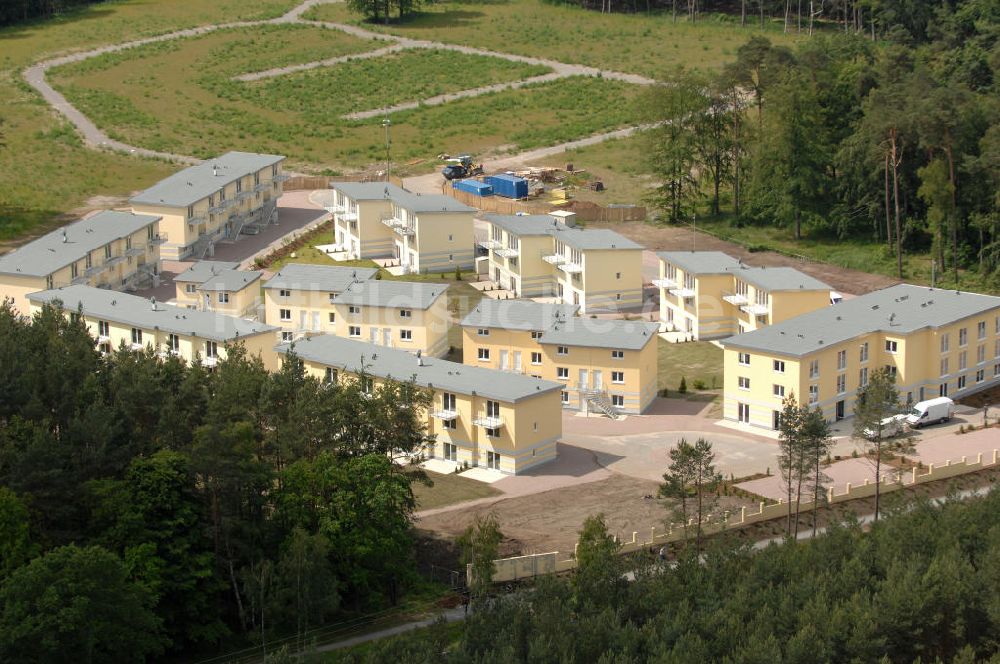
(473, 187)
(508, 186)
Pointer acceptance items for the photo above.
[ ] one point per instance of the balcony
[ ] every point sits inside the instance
(507, 252)
(570, 268)
(103, 338)
(736, 299)
(243, 195)
(488, 244)
(347, 216)
(682, 292)
(664, 283)
(398, 225)
(157, 240)
(209, 362)
(445, 415)
(755, 309)
(488, 421)
(93, 270)
(335, 209)
(114, 260)
(198, 219)
(136, 346)
(80, 280)
(554, 259)
(135, 251)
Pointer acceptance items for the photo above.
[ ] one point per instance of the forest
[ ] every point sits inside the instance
(149, 508)
(884, 128)
(921, 586)
(18, 11)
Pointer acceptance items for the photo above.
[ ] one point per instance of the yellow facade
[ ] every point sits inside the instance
(512, 436)
(358, 210)
(428, 242)
(928, 361)
(396, 326)
(708, 295)
(235, 301)
(214, 201)
(127, 261)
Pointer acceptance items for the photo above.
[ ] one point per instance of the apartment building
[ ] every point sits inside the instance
(408, 315)
(936, 343)
(114, 250)
(358, 210)
(117, 318)
(607, 366)
(223, 290)
(299, 298)
(710, 295)
(479, 417)
(214, 202)
(538, 256)
(432, 232)
(186, 283)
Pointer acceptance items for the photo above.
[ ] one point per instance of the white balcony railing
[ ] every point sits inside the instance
(507, 252)
(664, 283)
(446, 415)
(570, 268)
(135, 251)
(754, 309)
(735, 299)
(489, 244)
(682, 292)
(347, 216)
(554, 259)
(209, 361)
(487, 421)
(157, 240)
(200, 219)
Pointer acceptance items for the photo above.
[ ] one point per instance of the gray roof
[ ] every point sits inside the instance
(49, 253)
(700, 262)
(383, 362)
(202, 271)
(517, 314)
(138, 312)
(332, 278)
(528, 224)
(898, 309)
(197, 182)
(384, 293)
(601, 333)
(367, 191)
(778, 278)
(429, 202)
(591, 238)
(230, 280)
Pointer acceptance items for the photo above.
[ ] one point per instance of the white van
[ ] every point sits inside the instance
(931, 411)
(891, 426)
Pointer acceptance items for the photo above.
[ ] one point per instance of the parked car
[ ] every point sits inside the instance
(931, 411)
(891, 426)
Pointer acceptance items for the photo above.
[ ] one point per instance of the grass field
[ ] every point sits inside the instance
(619, 164)
(695, 361)
(638, 43)
(450, 489)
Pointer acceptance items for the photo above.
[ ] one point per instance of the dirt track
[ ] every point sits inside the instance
(671, 238)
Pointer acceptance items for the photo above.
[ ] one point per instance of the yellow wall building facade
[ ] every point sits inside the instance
(214, 201)
(113, 250)
(710, 295)
(432, 233)
(936, 342)
(608, 366)
(539, 256)
(117, 318)
(220, 287)
(479, 417)
(299, 298)
(358, 211)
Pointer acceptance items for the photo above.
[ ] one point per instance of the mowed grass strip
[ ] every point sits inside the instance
(693, 360)
(449, 490)
(647, 44)
(322, 95)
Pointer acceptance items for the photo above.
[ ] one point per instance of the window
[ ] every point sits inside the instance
(353, 309)
(961, 382)
(450, 424)
(223, 298)
(943, 389)
(562, 350)
(996, 369)
(814, 369)
(287, 337)
(484, 354)
(405, 313)
(981, 354)
(617, 376)
(617, 355)
(892, 369)
(863, 354)
(406, 335)
(107, 251)
(744, 359)
(330, 376)
(963, 337)
(841, 383)
(211, 349)
(779, 366)
(945, 342)
(944, 366)
(103, 328)
(354, 331)
(285, 314)
(448, 401)
(996, 348)
(779, 391)
(74, 270)
(813, 393)
(618, 400)
(618, 296)
(564, 395)
(538, 335)
(744, 383)
(863, 377)
(333, 317)
(367, 384)
(451, 238)
(980, 375)
(618, 275)
(190, 212)
(492, 433)
(449, 451)
(173, 343)
(190, 288)
(284, 292)
(981, 329)
(136, 336)
(105, 349)
(962, 360)
(483, 332)
(841, 360)
(536, 358)
(562, 373)
(743, 412)
(891, 346)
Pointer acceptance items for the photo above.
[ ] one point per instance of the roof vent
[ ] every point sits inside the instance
(838, 317)
(820, 342)
(874, 307)
(420, 359)
(215, 169)
(114, 302)
(64, 238)
(152, 303)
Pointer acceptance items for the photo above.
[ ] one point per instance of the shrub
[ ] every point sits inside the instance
(698, 384)
(683, 387)
(458, 273)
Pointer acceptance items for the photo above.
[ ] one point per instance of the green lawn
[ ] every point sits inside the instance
(637, 43)
(695, 360)
(450, 489)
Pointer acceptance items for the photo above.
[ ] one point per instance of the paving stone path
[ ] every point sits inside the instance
(95, 138)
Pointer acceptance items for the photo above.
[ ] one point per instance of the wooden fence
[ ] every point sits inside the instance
(521, 567)
(311, 182)
(585, 210)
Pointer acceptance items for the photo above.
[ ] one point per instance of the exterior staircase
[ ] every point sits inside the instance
(599, 400)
